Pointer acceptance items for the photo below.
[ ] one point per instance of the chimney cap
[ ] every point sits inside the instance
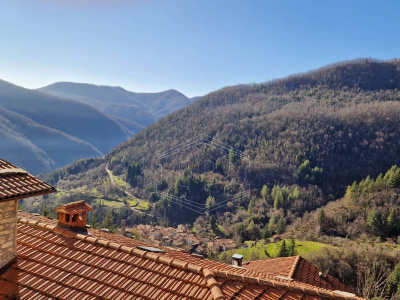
(74, 207)
(237, 256)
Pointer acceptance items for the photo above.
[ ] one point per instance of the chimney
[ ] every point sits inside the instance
(237, 260)
(123, 227)
(73, 215)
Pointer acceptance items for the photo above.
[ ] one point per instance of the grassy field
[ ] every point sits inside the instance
(119, 181)
(113, 204)
(144, 205)
(132, 201)
(260, 250)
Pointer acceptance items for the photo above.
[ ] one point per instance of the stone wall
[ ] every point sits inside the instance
(8, 231)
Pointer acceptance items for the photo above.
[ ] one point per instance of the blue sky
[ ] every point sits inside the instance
(194, 46)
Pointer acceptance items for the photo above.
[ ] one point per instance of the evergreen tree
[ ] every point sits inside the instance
(281, 225)
(251, 224)
(232, 157)
(46, 211)
(210, 202)
(292, 247)
(322, 220)
(212, 223)
(266, 233)
(394, 180)
(108, 221)
(394, 281)
(379, 183)
(389, 174)
(296, 193)
(278, 203)
(376, 223)
(250, 207)
(366, 185)
(132, 172)
(93, 220)
(283, 251)
(393, 224)
(264, 192)
(271, 225)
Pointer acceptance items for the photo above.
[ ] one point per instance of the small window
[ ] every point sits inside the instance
(67, 218)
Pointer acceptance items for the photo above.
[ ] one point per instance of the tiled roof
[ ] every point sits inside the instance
(308, 273)
(55, 262)
(16, 183)
(74, 207)
(283, 266)
(299, 269)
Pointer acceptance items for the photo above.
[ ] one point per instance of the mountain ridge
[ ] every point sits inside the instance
(53, 131)
(116, 101)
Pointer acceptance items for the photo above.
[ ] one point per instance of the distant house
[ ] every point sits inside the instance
(276, 238)
(182, 228)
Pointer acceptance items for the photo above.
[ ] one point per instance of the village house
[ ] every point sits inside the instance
(42, 258)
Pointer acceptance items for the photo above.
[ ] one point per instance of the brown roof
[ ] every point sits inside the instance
(74, 207)
(16, 183)
(60, 263)
(283, 266)
(299, 269)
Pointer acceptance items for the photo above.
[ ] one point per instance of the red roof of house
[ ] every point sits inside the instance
(74, 207)
(16, 183)
(299, 269)
(60, 263)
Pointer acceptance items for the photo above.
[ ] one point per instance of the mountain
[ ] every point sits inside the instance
(325, 129)
(142, 108)
(41, 132)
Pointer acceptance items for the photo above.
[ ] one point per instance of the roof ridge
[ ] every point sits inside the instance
(208, 274)
(296, 262)
(278, 284)
(213, 285)
(269, 259)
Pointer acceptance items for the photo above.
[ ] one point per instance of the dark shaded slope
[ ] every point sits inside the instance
(38, 148)
(71, 117)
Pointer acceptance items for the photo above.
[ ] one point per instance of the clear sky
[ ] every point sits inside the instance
(194, 46)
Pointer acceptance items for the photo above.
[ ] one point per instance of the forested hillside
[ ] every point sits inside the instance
(326, 128)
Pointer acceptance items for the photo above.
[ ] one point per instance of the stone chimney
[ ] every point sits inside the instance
(237, 260)
(123, 227)
(73, 215)
(15, 184)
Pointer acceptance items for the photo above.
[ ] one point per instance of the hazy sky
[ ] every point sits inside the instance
(194, 46)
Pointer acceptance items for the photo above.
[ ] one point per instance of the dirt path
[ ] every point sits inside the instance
(110, 176)
(125, 192)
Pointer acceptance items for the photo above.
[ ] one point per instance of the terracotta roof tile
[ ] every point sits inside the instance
(278, 266)
(299, 269)
(307, 273)
(55, 263)
(16, 183)
(74, 207)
